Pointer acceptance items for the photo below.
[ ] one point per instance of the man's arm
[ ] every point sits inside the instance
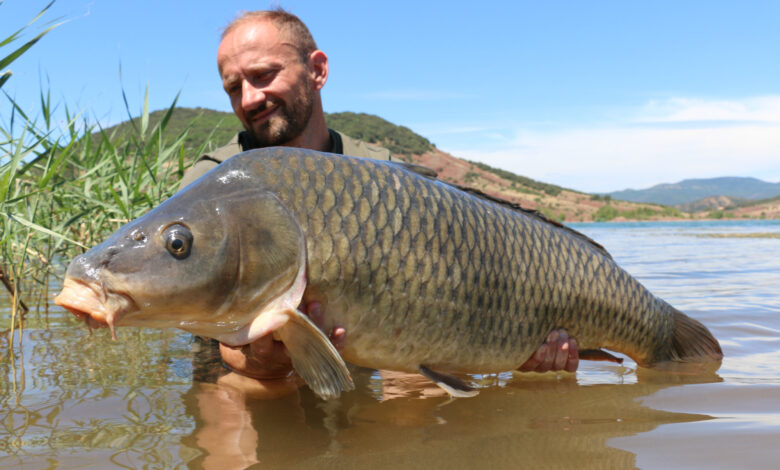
(209, 160)
(267, 360)
(197, 170)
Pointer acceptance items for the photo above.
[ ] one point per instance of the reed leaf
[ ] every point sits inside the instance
(41, 229)
(10, 58)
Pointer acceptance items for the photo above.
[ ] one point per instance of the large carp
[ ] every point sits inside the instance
(425, 277)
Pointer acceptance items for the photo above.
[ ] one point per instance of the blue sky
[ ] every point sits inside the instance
(596, 96)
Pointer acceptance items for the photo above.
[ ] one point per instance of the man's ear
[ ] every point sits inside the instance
(318, 66)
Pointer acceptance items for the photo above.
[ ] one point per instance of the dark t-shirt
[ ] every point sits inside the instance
(241, 142)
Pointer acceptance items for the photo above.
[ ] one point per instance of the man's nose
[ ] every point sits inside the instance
(251, 96)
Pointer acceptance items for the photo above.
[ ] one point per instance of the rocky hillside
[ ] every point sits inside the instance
(724, 207)
(555, 202)
(216, 128)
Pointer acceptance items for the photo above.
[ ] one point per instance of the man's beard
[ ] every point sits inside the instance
(289, 122)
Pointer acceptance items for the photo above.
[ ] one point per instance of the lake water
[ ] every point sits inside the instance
(71, 399)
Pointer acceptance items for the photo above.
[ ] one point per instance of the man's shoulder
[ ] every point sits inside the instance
(209, 160)
(349, 146)
(220, 154)
(357, 148)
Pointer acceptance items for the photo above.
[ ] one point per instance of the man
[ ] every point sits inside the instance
(273, 73)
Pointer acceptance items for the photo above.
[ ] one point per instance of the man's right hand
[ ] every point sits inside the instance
(267, 359)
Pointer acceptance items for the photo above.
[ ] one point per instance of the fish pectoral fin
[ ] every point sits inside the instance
(314, 357)
(451, 384)
(599, 355)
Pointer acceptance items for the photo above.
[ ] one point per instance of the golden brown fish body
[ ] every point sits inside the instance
(418, 272)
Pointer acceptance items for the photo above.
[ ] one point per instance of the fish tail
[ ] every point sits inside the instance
(692, 341)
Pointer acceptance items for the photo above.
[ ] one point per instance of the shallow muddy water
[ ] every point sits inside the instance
(71, 399)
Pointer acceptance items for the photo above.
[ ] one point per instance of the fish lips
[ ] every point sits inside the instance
(91, 302)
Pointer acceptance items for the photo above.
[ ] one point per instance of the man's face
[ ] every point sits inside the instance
(270, 90)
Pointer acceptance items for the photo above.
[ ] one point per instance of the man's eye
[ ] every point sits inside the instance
(265, 76)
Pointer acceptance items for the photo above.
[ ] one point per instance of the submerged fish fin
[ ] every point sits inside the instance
(692, 341)
(451, 384)
(314, 357)
(598, 355)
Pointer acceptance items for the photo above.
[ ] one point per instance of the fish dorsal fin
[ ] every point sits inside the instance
(313, 356)
(418, 169)
(534, 214)
(451, 384)
(433, 175)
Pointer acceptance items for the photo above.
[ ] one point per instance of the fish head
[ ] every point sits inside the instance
(208, 260)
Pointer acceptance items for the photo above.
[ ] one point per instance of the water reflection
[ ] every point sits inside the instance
(548, 421)
(82, 399)
(75, 399)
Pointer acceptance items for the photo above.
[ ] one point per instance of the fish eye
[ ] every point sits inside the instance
(178, 241)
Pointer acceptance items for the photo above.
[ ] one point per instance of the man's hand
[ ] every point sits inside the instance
(558, 352)
(267, 359)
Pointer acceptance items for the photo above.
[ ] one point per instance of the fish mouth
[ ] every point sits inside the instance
(91, 302)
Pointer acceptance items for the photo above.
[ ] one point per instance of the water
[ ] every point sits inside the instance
(74, 400)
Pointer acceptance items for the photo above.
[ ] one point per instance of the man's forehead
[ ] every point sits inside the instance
(258, 35)
(256, 39)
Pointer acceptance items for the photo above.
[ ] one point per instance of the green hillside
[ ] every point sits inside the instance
(375, 130)
(547, 188)
(202, 123)
(222, 126)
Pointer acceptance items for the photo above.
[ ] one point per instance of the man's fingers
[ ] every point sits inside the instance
(338, 336)
(573, 361)
(261, 346)
(536, 358)
(549, 356)
(314, 312)
(561, 355)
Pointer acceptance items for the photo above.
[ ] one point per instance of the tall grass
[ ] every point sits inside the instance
(64, 187)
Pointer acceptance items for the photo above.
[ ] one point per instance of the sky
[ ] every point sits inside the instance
(595, 96)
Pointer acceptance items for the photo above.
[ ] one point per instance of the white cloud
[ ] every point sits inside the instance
(698, 139)
(765, 109)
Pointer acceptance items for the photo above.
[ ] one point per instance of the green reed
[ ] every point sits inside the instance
(65, 187)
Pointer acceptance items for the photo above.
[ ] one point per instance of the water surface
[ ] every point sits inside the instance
(71, 399)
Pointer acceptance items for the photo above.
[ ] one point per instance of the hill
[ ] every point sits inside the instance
(723, 207)
(215, 128)
(711, 203)
(218, 127)
(691, 190)
(205, 126)
(373, 129)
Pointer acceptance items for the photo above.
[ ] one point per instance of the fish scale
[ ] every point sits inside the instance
(488, 260)
(421, 274)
